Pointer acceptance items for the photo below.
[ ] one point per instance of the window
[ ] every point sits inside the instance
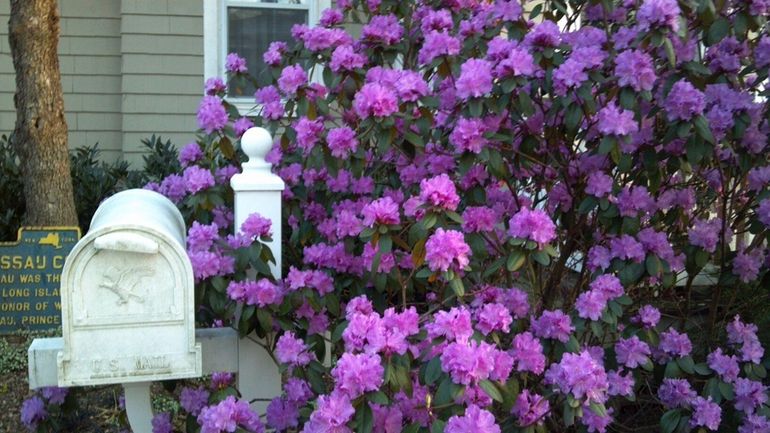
(247, 27)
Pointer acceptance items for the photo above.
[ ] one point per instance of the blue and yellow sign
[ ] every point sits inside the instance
(30, 275)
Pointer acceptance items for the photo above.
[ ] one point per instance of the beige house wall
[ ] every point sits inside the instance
(130, 69)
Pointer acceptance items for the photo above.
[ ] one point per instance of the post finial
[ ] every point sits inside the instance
(256, 143)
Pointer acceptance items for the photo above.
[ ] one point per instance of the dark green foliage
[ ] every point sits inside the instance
(11, 190)
(160, 160)
(93, 180)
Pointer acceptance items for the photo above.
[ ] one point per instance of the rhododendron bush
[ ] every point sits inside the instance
(499, 217)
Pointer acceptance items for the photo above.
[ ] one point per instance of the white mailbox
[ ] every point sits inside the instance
(128, 296)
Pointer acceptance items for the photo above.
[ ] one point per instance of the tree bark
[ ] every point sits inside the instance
(40, 136)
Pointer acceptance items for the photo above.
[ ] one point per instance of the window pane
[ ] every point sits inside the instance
(249, 33)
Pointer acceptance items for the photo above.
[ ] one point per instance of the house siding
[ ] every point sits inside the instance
(90, 64)
(130, 69)
(162, 73)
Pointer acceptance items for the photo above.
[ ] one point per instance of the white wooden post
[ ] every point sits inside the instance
(258, 190)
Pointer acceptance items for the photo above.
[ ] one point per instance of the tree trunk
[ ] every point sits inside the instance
(40, 136)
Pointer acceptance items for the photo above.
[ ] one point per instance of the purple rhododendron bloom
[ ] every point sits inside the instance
(475, 420)
(438, 44)
(493, 317)
(292, 77)
(763, 212)
(439, 192)
(648, 316)
(345, 58)
(684, 101)
(331, 17)
(235, 64)
(599, 184)
(214, 86)
(579, 375)
(479, 219)
(193, 400)
(468, 135)
(591, 304)
(675, 344)
(725, 366)
(356, 374)
(446, 249)
(675, 393)
(382, 211)
(553, 324)
(189, 154)
(382, 29)
(530, 408)
(706, 413)
(662, 13)
(292, 351)
(331, 415)
(475, 79)
(632, 352)
(161, 423)
(33, 411)
(634, 68)
(755, 424)
(212, 115)
(620, 384)
(197, 179)
(256, 225)
(705, 233)
(454, 325)
(749, 394)
(54, 394)
(227, 416)
(534, 225)
(375, 100)
(527, 353)
(274, 53)
(616, 121)
(342, 141)
(282, 414)
(242, 125)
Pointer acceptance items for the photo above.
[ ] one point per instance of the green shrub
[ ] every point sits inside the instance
(93, 179)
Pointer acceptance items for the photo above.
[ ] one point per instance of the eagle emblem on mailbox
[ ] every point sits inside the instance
(123, 283)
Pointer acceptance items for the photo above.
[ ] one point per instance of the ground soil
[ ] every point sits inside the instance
(97, 408)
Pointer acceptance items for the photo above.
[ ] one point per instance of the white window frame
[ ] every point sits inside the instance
(215, 35)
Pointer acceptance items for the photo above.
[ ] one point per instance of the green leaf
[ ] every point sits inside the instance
(437, 426)
(457, 286)
(573, 116)
(670, 53)
(491, 390)
(686, 364)
(541, 257)
(653, 265)
(726, 390)
(672, 370)
(265, 319)
(433, 371)
(702, 369)
(516, 260)
(598, 409)
(670, 420)
(378, 397)
(718, 30)
(702, 128)
(365, 419)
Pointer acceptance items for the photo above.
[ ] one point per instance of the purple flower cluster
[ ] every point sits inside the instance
(534, 225)
(227, 416)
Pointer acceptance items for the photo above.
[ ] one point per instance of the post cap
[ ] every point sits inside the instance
(256, 143)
